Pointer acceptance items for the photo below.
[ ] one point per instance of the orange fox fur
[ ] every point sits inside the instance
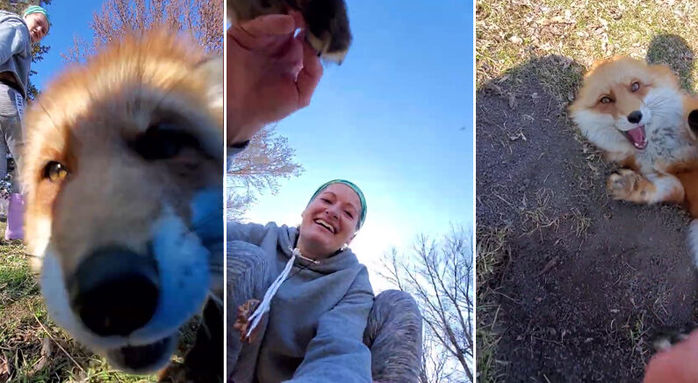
(639, 117)
(86, 120)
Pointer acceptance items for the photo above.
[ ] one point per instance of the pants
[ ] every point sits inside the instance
(11, 135)
(393, 332)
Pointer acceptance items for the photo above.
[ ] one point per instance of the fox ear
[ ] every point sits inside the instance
(211, 70)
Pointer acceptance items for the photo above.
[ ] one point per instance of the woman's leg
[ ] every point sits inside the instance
(394, 335)
(12, 131)
(248, 273)
(11, 109)
(3, 154)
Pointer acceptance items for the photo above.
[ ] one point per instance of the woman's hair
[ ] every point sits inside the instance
(362, 199)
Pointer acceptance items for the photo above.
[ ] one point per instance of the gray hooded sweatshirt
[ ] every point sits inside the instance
(317, 318)
(15, 49)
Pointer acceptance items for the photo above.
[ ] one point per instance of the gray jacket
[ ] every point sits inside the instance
(15, 49)
(317, 318)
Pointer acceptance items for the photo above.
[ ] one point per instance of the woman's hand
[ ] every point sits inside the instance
(272, 72)
(679, 364)
(242, 321)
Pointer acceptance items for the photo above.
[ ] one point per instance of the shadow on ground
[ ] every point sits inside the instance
(571, 284)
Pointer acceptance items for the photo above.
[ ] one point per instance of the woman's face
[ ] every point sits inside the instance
(330, 220)
(37, 25)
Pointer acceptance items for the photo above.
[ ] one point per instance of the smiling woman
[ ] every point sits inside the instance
(330, 221)
(317, 319)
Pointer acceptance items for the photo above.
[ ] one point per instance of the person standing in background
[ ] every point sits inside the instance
(17, 34)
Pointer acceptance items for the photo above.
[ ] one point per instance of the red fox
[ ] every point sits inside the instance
(640, 118)
(123, 178)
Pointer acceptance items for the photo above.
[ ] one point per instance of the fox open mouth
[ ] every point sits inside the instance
(142, 358)
(637, 137)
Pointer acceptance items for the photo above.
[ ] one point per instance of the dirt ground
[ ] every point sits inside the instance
(572, 285)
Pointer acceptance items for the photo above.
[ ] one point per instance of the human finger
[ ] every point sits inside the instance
(269, 25)
(678, 364)
(309, 76)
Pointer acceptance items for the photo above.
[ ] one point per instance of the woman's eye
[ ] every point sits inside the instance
(349, 214)
(325, 200)
(55, 171)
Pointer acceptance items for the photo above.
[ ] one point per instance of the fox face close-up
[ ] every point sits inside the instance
(124, 195)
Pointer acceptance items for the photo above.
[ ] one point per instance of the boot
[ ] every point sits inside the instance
(15, 217)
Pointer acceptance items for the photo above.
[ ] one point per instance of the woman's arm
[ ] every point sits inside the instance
(13, 38)
(253, 233)
(337, 352)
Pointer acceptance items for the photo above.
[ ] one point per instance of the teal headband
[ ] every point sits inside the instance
(35, 9)
(362, 199)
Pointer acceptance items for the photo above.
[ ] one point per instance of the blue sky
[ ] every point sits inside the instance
(396, 119)
(68, 18)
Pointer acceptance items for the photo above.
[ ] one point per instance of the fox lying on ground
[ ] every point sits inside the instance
(123, 178)
(640, 118)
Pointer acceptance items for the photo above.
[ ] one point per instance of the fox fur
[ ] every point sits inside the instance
(120, 183)
(639, 117)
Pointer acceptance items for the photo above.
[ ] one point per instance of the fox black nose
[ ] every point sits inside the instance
(115, 291)
(635, 116)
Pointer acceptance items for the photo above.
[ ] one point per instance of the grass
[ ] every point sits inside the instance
(556, 41)
(32, 348)
(510, 33)
(491, 257)
(637, 330)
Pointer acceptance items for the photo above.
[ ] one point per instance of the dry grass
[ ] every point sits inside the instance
(510, 33)
(491, 260)
(637, 330)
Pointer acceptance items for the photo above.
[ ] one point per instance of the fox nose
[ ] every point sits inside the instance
(115, 291)
(635, 116)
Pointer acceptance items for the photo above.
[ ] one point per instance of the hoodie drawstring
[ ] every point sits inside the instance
(263, 307)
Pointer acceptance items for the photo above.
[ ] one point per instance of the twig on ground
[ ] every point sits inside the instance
(58, 344)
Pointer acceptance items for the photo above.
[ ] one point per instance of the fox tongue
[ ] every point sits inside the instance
(637, 136)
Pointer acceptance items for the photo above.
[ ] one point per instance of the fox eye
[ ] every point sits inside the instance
(606, 100)
(635, 86)
(55, 171)
(161, 142)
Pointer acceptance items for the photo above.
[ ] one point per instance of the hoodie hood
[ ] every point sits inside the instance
(343, 260)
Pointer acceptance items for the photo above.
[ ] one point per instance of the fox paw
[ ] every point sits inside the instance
(623, 184)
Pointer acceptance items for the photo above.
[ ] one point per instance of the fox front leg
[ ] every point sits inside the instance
(629, 185)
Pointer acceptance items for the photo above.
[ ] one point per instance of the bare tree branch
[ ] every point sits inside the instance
(202, 19)
(439, 276)
(267, 159)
